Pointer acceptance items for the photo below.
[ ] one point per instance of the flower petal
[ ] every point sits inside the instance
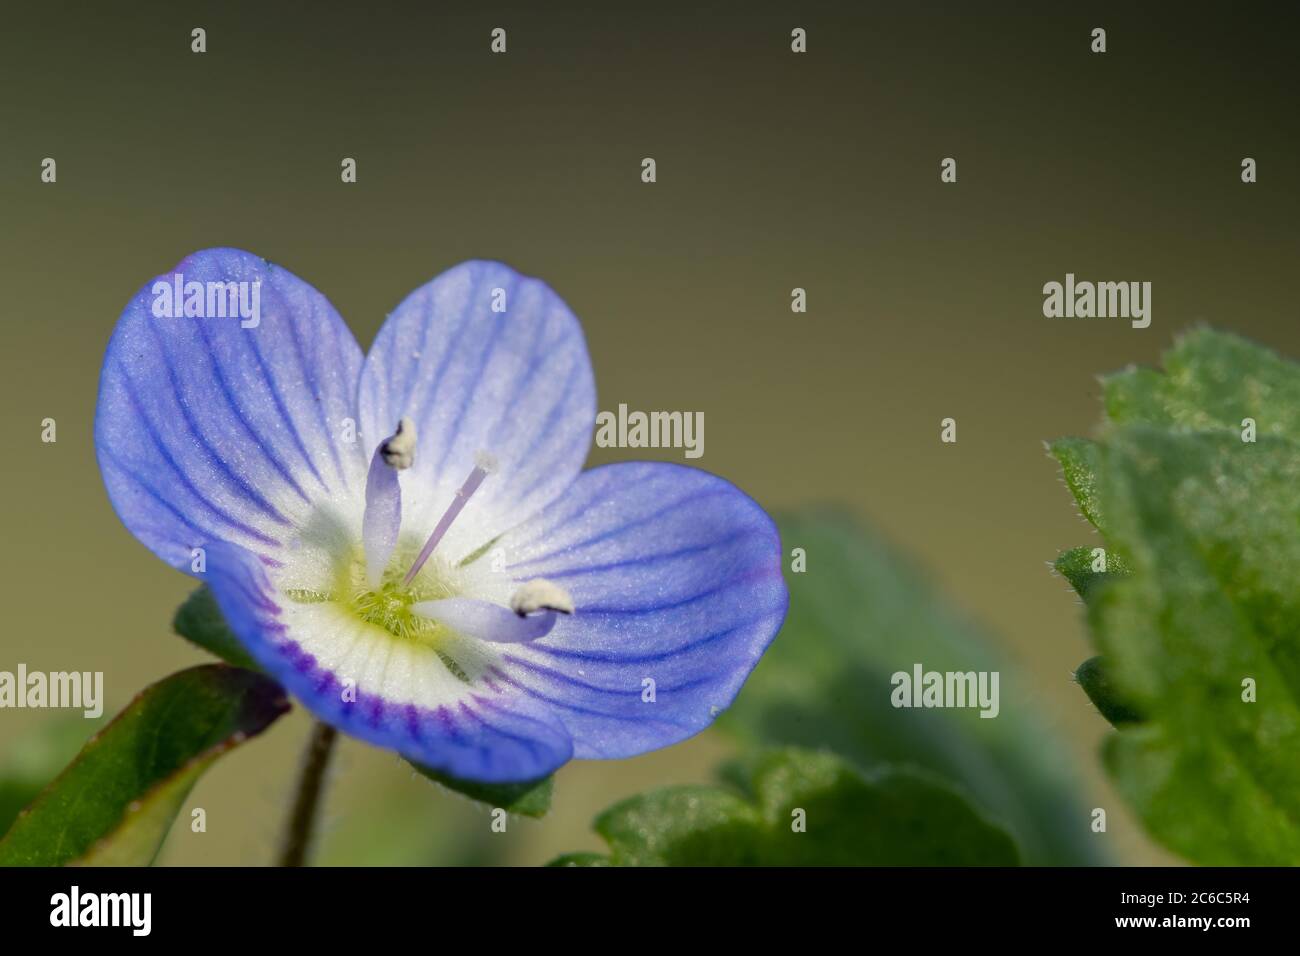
(391, 693)
(676, 578)
(206, 429)
(516, 384)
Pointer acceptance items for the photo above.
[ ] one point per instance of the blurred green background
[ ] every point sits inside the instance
(775, 170)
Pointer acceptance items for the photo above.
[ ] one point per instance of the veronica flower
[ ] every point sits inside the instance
(406, 540)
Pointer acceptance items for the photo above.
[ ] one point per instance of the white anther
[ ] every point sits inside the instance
(540, 594)
(399, 451)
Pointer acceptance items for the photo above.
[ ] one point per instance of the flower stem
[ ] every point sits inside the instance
(297, 837)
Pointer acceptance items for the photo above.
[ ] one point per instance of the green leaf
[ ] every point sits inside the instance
(1212, 381)
(530, 799)
(889, 818)
(858, 615)
(1093, 675)
(580, 859)
(1207, 525)
(34, 759)
(1078, 567)
(1210, 526)
(199, 621)
(1078, 460)
(114, 804)
(683, 826)
(809, 809)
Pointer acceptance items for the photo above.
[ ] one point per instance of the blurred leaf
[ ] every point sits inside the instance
(858, 615)
(114, 804)
(737, 774)
(811, 809)
(1209, 524)
(34, 759)
(580, 859)
(199, 621)
(684, 826)
(1093, 676)
(382, 813)
(530, 799)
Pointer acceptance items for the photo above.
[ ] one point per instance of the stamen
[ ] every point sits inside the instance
(382, 519)
(486, 464)
(486, 621)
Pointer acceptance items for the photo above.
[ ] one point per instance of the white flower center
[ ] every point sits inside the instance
(457, 610)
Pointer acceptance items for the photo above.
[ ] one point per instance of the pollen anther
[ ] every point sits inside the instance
(540, 594)
(399, 450)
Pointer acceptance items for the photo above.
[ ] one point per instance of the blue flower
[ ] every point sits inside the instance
(406, 540)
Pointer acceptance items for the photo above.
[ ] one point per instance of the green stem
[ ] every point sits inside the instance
(298, 834)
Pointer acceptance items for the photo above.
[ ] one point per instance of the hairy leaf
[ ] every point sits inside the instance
(1079, 566)
(1200, 640)
(1078, 460)
(1212, 380)
(1210, 525)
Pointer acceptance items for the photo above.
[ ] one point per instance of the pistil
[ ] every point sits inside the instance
(484, 467)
